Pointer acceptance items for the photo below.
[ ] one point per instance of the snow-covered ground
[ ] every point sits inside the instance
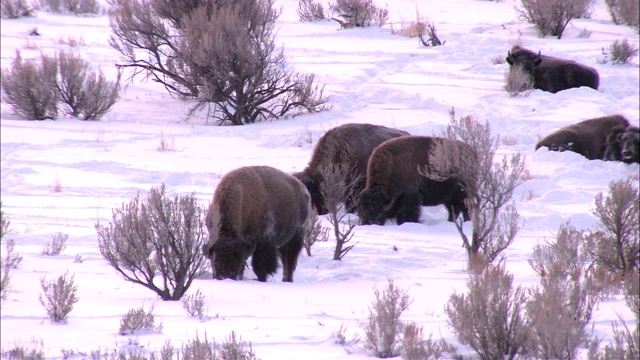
(371, 76)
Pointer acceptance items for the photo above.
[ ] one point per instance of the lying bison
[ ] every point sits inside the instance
(348, 146)
(396, 189)
(256, 211)
(587, 138)
(552, 74)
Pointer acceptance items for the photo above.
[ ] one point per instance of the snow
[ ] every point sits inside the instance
(371, 76)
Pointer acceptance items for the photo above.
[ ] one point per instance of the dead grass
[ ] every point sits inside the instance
(509, 140)
(30, 45)
(56, 186)
(166, 144)
(72, 41)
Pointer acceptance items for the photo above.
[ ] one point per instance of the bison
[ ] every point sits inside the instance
(587, 138)
(350, 146)
(552, 74)
(613, 144)
(396, 188)
(257, 211)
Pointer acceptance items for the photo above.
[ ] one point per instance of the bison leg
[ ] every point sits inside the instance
(289, 253)
(407, 208)
(265, 259)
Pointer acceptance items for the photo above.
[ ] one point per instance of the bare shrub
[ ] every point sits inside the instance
(517, 81)
(561, 307)
(10, 260)
(626, 342)
(315, 232)
(509, 140)
(88, 95)
(56, 246)
(618, 244)
(139, 319)
(72, 41)
(309, 10)
(584, 33)
(241, 78)
(419, 29)
(551, 17)
(624, 12)
(338, 185)
(341, 339)
(30, 87)
(429, 30)
(620, 52)
(13, 9)
(58, 297)
(234, 348)
(194, 304)
(358, 13)
(384, 326)
(157, 237)
(76, 7)
(490, 317)
(489, 185)
(20, 352)
(56, 187)
(416, 347)
(197, 349)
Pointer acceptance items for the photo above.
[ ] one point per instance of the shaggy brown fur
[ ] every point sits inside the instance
(630, 145)
(256, 211)
(349, 145)
(588, 138)
(613, 145)
(553, 74)
(395, 188)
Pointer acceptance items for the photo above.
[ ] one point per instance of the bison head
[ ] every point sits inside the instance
(630, 148)
(228, 257)
(371, 207)
(525, 59)
(317, 200)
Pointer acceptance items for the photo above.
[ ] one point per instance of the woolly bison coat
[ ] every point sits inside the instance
(553, 74)
(587, 138)
(348, 145)
(395, 188)
(256, 211)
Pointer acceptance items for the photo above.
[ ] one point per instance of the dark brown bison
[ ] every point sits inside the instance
(552, 74)
(348, 145)
(630, 148)
(395, 188)
(588, 138)
(256, 211)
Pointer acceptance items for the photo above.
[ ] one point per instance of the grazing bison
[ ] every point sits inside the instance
(395, 188)
(588, 138)
(552, 74)
(630, 148)
(350, 146)
(256, 211)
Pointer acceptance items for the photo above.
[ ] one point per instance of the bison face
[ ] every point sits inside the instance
(371, 207)
(630, 147)
(228, 257)
(523, 58)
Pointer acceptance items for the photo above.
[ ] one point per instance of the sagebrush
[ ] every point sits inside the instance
(137, 320)
(490, 318)
(155, 238)
(551, 17)
(383, 327)
(58, 297)
(222, 54)
(358, 13)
